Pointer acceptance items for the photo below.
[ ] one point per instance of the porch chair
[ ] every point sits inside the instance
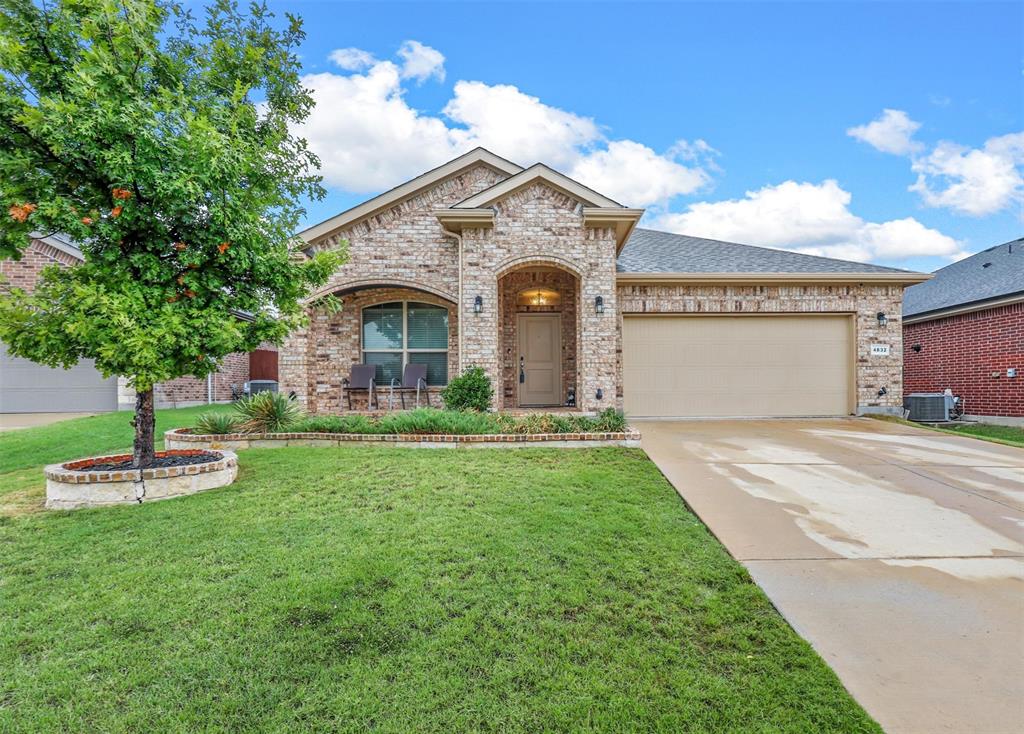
(360, 379)
(414, 379)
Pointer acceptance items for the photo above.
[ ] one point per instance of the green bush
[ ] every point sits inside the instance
(216, 423)
(431, 420)
(334, 424)
(267, 412)
(469, 391)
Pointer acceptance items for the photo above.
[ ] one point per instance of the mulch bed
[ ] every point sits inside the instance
(163, 460)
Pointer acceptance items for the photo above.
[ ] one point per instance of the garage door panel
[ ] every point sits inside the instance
(737, 365)
(27, 387)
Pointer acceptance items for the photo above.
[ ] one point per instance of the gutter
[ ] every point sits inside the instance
(899, 278)
(964, 308)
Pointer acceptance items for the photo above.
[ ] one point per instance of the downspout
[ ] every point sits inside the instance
(209, 388)
(458, 238)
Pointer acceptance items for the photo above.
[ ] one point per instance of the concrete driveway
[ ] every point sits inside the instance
(897, 552)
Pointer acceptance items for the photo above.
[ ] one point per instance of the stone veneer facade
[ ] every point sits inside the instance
(538, 237)
(865, 302)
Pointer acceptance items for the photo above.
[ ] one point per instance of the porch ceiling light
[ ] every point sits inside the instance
(478, 304)
(538, 297)
(599, 304)
(883, 320)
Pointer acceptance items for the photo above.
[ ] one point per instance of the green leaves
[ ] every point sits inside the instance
(161, 145)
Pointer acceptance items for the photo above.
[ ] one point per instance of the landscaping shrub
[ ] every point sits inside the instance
(335, 424)
(469, 391)
(430, 420)
(267, 412)
(217, 423)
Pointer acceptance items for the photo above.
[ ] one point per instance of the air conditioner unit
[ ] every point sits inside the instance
(931, 407)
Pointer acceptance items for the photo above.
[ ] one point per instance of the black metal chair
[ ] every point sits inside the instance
(361, 379)
(414, 379)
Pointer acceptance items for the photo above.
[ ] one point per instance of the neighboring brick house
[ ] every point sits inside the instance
(551, 289)
(964, 331)
(26, 387)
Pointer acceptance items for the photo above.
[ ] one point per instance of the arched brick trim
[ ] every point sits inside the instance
(334, 342)
(352, 286)
(536, 261)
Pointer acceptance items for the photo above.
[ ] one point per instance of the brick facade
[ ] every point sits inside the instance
(969, 354)
(25, 272)
(865, 301)
(538, 237)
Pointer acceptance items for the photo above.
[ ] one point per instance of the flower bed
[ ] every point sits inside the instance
(93, 482)
(183, 438)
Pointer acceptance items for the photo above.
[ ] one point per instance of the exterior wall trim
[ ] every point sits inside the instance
(773, 278)
(360, 284)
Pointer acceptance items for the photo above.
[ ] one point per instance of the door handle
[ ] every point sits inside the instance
(522, 370)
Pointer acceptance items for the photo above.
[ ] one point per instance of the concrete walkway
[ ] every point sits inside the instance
(897, 552)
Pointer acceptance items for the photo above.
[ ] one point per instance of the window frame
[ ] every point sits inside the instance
(405, 350)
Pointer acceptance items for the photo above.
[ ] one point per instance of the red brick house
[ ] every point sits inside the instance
(964, 331)
(26, 387)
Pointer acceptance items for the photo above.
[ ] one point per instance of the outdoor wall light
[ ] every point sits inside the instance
(600, 392)
(916, 347)
(478, 304)
(882, 391)
(599, 304)
(883, 320)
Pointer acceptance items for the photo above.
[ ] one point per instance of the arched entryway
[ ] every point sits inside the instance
(538, 340)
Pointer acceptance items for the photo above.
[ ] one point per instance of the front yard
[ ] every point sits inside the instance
(392, 589)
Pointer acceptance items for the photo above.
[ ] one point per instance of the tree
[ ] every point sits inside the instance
(161, 145)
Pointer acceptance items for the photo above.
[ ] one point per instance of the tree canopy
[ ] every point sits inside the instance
(160, 144)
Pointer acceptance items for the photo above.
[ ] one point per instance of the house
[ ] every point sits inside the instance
(964, 331)
(553, 289)
(27, 387)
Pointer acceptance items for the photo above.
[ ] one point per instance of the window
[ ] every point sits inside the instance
(405, 332)
(538, 297)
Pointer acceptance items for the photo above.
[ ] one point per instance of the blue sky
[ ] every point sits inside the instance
(684, 108)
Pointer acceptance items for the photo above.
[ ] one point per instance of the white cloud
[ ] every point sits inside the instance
(368, 138)
(421, 62)
(517, 125)
(974, 181)
(630, 171)
(352, 59)
(811, 218)
(893, 132)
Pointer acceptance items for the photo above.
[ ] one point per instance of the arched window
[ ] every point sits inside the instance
(406, 332)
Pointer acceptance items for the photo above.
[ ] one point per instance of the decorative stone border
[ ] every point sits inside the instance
(70, 488)
(180, 439)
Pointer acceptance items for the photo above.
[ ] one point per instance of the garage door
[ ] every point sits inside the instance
(26, 387)
(737, 365)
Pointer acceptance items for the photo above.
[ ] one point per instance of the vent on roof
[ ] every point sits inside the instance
(986, 265)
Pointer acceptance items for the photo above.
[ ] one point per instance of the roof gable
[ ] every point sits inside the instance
(538, 172)
(997, 272)
(477, 156)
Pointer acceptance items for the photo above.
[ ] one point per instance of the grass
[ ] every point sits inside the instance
(23, 452)
(1008, 435)
(399, 590)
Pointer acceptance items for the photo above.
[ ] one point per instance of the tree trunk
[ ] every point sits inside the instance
(145, 427)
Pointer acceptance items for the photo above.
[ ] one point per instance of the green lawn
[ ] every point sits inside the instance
(985, 431)
(396, 590)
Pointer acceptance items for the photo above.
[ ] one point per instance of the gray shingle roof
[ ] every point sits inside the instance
(649, 251)
(993, 273)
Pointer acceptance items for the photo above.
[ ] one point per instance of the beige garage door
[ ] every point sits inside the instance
(737, 365)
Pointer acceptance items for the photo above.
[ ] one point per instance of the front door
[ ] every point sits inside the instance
(540, 359)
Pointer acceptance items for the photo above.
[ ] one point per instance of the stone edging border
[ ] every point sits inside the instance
(177, 439)
(68, 488)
